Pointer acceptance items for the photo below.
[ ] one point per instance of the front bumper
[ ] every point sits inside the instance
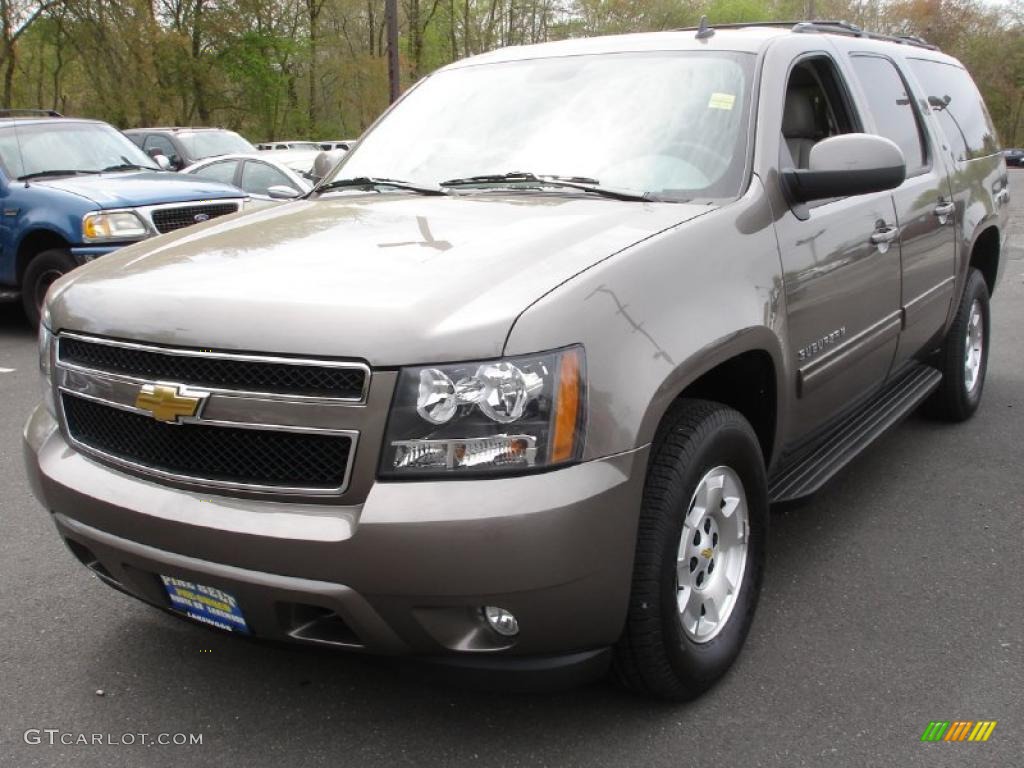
(405, 572)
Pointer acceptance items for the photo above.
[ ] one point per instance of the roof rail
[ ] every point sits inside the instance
(30, 113)
(823, 26)
(846, 28)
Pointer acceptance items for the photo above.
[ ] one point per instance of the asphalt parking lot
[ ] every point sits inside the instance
(892, 599)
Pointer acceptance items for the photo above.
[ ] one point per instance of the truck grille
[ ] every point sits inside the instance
(343, 381)
(177, 217)
(255, 458)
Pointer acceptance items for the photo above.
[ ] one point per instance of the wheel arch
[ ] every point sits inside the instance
(33, 243)
(985, 255)
(744, 372)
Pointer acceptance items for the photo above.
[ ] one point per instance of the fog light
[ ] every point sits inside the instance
(501, 621)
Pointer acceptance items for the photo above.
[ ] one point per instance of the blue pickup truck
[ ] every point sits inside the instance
(72, 190)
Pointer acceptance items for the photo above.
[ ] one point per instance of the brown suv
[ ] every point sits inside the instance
(516, 385)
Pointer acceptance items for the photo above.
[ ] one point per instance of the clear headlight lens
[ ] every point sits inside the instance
(100, 226)
(514, 414)
(46, 368)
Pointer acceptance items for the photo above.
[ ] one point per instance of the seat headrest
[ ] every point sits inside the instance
(798, 118)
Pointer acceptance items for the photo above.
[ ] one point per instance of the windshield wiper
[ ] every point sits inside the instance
(582, 183)
(372, 183)
(128, 167)
(53, 172)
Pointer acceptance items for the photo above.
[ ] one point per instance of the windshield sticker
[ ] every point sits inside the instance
(721, 101)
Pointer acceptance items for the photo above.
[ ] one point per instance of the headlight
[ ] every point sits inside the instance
(509, 415)
(46, 368)
(100, 226)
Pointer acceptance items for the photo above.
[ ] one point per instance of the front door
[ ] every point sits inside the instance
(840, 261)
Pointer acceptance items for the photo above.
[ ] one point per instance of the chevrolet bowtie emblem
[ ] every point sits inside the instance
(707, 552)
(168, 403)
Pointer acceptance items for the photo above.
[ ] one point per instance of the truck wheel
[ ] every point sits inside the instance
(41, 272)
(699, 555)
(963, 359)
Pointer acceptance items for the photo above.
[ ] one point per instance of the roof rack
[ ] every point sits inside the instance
(30, 113)
(821, 26)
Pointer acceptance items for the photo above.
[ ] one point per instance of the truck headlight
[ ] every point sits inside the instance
(103, 226)
(46, 368)
(510, 415)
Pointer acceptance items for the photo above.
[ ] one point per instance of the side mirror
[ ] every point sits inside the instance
(162, 161)
(281, 192)
(846, 165)
(326, 162)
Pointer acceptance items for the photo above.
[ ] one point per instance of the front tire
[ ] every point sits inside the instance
(963, 359)
(699, 555)
(41, 272)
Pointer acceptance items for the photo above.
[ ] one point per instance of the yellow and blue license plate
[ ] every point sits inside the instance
(208, 605)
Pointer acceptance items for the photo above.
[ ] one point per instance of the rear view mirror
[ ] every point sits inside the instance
(281, 192)
(850, 164)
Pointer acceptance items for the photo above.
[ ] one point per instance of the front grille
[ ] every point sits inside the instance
(170, 219)
(252, 457)
(238, 373)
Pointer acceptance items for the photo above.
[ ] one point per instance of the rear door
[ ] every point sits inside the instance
(924, 206)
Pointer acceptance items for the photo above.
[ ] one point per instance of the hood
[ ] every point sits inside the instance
(391, 279)
(125, 190)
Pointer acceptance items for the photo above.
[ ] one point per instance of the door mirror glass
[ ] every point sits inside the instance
(845, 165)
(281, 192)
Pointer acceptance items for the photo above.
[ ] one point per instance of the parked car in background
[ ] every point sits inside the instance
(185, 146)
(76, 189)
(1014, 157)
(278, 175)
(310, 146)
(344, 144)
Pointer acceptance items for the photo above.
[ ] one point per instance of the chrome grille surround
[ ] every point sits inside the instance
(224, 408)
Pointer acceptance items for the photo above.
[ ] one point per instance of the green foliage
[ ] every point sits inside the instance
(253, 65)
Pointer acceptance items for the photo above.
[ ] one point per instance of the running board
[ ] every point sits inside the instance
(844, 442)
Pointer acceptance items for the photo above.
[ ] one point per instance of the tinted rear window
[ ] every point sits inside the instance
(961, 112)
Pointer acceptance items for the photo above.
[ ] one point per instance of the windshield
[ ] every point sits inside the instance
(202, 144)
(35, 148)
(671, 124)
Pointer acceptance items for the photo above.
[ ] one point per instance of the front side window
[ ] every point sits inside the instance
(162, 143)
(815, 108)
(66, 148)
(258, 177)
(893, 110)
(672, 124)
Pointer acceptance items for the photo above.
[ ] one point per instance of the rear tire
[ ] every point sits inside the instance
(699, 554)
(44, 268)
(963, 359)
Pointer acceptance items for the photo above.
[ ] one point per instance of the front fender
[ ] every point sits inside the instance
(658, 315)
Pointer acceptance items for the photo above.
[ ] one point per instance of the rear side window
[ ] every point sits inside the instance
(955, 100)
(893, 110)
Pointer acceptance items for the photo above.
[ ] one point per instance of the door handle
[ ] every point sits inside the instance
(884, 235)
(944, 210)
